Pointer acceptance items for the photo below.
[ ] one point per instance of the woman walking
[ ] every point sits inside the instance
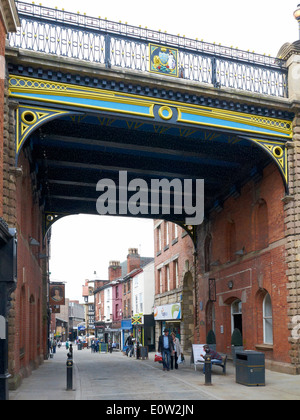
(178, 350)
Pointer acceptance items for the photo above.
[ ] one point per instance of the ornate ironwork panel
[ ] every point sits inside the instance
(101, 41)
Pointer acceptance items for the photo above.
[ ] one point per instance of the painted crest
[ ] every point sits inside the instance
(163, 60)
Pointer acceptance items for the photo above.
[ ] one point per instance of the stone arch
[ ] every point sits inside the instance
(187, 334)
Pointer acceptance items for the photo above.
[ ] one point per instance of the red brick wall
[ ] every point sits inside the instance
(30, 337)
(258, 220)
(2, 53)
(181, 245)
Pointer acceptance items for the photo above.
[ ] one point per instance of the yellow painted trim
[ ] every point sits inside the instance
(127, 98)
(150, 115)
(275, 134)
(165, 108)
(236, 117)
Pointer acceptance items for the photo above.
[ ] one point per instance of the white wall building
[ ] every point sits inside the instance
(142, 298)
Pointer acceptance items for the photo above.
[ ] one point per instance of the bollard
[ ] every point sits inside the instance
(70, 371)
(207, 365)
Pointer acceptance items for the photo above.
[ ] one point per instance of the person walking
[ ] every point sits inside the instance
(129, 342)
(166, 348)
(93, 345)
(177, 351)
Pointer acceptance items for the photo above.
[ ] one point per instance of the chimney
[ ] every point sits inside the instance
(133, 259)
(114, 270)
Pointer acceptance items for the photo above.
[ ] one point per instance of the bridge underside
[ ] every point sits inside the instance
(74, 137)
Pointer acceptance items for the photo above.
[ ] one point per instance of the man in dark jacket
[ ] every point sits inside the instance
(129, 341)
(166, 348)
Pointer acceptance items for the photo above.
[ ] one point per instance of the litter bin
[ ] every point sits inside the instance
(250, 368)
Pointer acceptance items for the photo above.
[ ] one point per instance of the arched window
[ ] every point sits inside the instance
(267, 320)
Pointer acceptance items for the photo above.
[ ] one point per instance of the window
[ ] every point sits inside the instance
(136, 304)
(175, 231)
(158, 239)
(160, 281)
(176, 275)
(141, 303)
(167, 233)
(268, 320)
(168, 277)
(236, 316)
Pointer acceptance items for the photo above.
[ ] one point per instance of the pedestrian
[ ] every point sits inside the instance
(93, 346)
(215, 357)
(97, 346)
(129, 342)
(54, 346)
(166, 348)
(177, 351)
(67, 344)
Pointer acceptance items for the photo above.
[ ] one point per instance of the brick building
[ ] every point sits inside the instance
(241, 271)
(9, 21)
(19, 206)
(113, 302)
(174, 281)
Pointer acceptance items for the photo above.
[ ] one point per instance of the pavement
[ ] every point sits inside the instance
(116, 377)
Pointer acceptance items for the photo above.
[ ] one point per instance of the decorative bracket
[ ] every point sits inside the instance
(49, 218)
(278, 151)
(29, 118)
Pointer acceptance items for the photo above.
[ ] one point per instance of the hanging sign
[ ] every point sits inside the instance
(56, 294)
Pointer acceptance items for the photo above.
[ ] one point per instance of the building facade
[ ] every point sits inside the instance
(142, 298)
(174, 282)
(242, 271)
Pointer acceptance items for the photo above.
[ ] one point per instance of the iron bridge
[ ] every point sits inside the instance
(96, 97)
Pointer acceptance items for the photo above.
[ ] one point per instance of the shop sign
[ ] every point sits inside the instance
(137, 319)
(172, 311)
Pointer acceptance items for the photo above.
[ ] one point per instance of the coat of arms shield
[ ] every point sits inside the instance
(163, 60)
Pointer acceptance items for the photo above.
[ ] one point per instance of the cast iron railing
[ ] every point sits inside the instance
(97, 40)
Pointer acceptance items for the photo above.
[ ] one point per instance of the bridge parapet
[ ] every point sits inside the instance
(120, 45)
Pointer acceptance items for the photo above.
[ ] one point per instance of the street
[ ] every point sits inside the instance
(115, 377)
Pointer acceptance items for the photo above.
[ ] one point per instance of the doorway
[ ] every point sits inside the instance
(236, 316)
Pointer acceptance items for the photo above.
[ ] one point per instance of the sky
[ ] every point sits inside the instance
(83, 244)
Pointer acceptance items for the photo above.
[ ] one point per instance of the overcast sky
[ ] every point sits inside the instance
(84, 244)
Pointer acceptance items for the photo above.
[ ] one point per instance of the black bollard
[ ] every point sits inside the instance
(207, 362)
(70, 370)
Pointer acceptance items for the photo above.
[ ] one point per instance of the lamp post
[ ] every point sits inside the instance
(297, 17)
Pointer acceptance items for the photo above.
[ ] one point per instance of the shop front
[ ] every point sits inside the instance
(168, 316)
(143, 330)
(99, 331)
(126, 330)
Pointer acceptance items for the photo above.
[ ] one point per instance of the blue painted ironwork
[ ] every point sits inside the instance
(115, 44)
